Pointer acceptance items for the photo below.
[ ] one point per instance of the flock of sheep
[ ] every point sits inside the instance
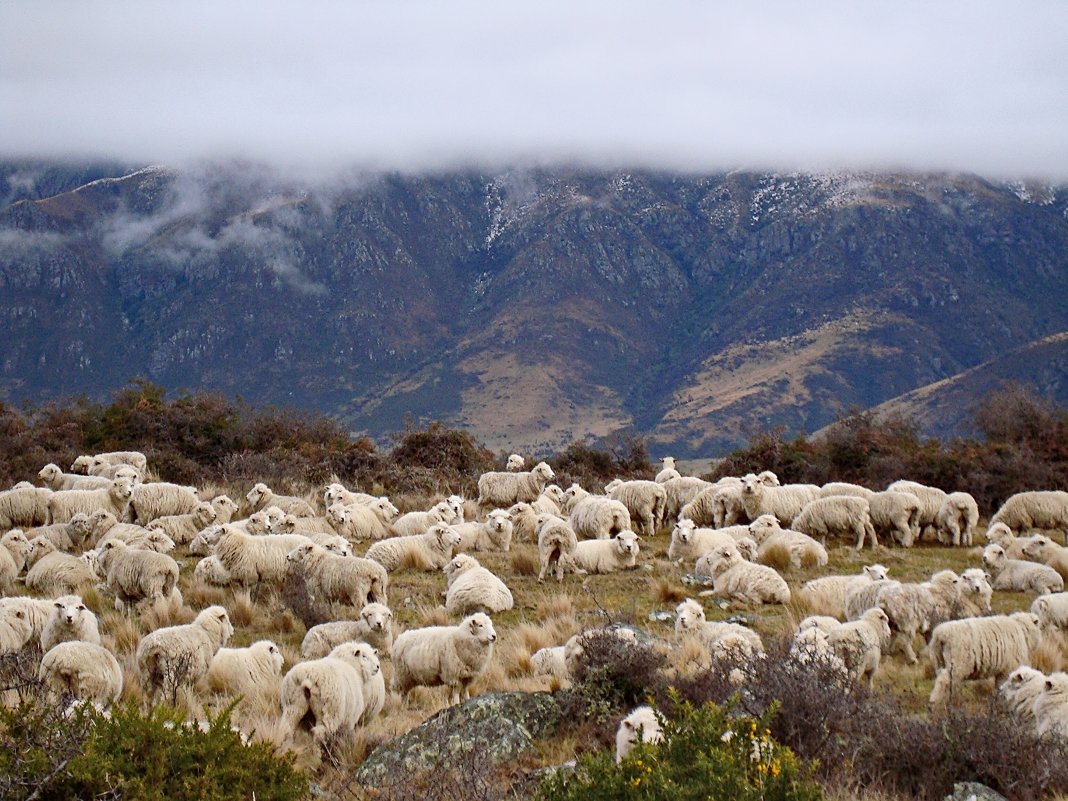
(103, 525)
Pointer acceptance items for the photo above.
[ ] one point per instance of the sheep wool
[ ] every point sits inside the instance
(329, 690)
(645, 501)
(492, 534)
(556, 546)
(429, 551)
(839, 515)
(55, 573)
(453, 656)
(596, 516)
(608, 556)
(1044, 510)
(343, 579)
(135, 575)
(1016, 575)
(641, 725)
(71, 620)
(735, 579)
(374, 626)
(473, 588)
(84, 670)
(182, 654)
(1020, 690)
(243, 670)
(860, 643)
(500, 490)
(25, 507)
(419, 522)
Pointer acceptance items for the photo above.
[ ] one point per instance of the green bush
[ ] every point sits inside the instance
(706, 754)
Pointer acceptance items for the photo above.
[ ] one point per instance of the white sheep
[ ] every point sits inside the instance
(860, 643)
(957, 518)
(308, 526)
(53, 477)
(738, 580)
(349, 580)
(84, 670)
(116, 498)
(1052, 610)
(608, 556)
(917, 608)
(839, 515)
(1044, 510)
(1000, 534)
(52, 572)
(641, 725)
(14, 549)
(863, 596)
(329, 689)
(896, 515)
(596, 516)
(210, 570)
(250, 558)
(453, 656)
(70, 620)
(668, 470)
(980, 648)
(550, 501)
(524, 522)
(811, 647)
(132, 458)
(1020, 689)
(175, 655)
(975, 593)
(772, 539)
(261, 496)
(828, 593)
(930, 498)
(785, 502)
(499, 490)
(134, 575)
(1046, 551)
(718, 505)
(473, 588)
(374, 626)
(1016, 575)
(160, 499)
(182, 528)
(16, 627)
(374, 683)
(556, 545)
(110, 472)
(690, 543)
(680, 491)
(104, 525)
(225, 508)
(429, 551)
(420, 522)
(1050, 707)
(25, 507)
(690, 621)
(65, 536)
(492, 534)
(515, 463)
(145, 540)
(358, 521)
(336, 493)
(833, 488)
(243, 670)
(645, 502)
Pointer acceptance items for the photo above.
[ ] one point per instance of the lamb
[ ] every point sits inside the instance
(420, 522)
(374, 626)
(453, 656)
(975, 593)
(957, 518)
(53, 572)
(641, 725)
(160, 499)
(343, 579)
(249, 558)
(1016, 575)
(644, 500)
(1020, 690)
(261, 496)
(897, 515)
(556, 544)
(1052, 611)
(500, 490)
(70, 620)
(608, 556)
(1000, 534)
(132, 458)
(1044, 510)
(838, 515)
(596, 516)
(182, 528)
(803, 551)
(829, 592)
(1045, 550)
(680, 491)
(515, 463)
(329, 689)
(84, 670)
(980, 648)
(116, 498)
(550, 501)
(860, 643)
(24, 507)
(742, 581)
(245, 670)
(14, 548)
(53, 477)
(182, 654)
(785, 502)
(690, 543)
(690, 620)
(135, 575)
(930, 498)
(362, 521)
(493, 534)
(917, 608)
(225, 508)
(430, 551)
(65, 536)
(1050, 706)
(473, 588)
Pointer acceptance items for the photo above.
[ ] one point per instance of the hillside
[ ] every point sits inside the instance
(531, 307)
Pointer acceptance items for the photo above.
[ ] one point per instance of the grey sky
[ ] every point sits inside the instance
(978, 86)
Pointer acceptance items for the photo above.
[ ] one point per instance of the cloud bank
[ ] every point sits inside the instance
(422, 84)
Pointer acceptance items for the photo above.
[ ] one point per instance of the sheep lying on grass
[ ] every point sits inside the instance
(608, 556)
(420, 522)
(492, 534)
(738, 580)
(473, 588)
(429, 551)
(690, 620)
(71, 620)
(453, 656)
(1016, 575)
(357, 522)
(779, 547)
(688, 542)
(53, 572)
(261, 496)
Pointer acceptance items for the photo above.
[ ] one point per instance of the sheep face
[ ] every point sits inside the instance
(747, 548)
(751, 485)
(627, 543)
(1038, 548)
(763, 527)
(49, 473)
(993, 556)
(668, 462)
(159, 542)
(768, 478)
(274, 654)
(683, 531)
(333, 493)
(611, 485)
(259, 523)
(498, 520)
(542, 470)
(92, 561)
(554, 493)
(446, 535)
(376, 617)
(81, 464)
(338, 515)
(386, 510)
(122, 488)
(999, 534)
(216, 617)
(1017, 679)
(69, 609)
(205, 514)
(689, 614)
(480, 627)
(879, 617)
(1056, 686)
(876, 572)
(302, 552)
(339, 546)
(257, 493)
(975, 582)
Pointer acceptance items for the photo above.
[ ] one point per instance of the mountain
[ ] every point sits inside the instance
(532, 307)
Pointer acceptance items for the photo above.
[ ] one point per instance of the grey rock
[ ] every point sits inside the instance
(974, 791)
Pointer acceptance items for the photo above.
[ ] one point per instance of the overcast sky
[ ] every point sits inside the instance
(966, 85)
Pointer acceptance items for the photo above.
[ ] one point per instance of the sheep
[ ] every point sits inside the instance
(1020, 689)
(374, 626)
(453, 656)
(829, 592)
(738, 580)
(667, 471)
(608, 556)
(596, 516)
(690, 620)
(70, 620)
(515, 463)
(811, 648)
(225, 508)
(105, 525)
(835, 488)
(358, 522)
(524, 521)
(344, 579)
(1045, 550)
(550, 663)
(473, 588)
(860, 643)
(84, 670)
(803, 551)
(980, 648)
(135, 575)
(101, 469)
(975, 593)
(336, 493)
(56, 573)
(244, 670)
(1050, 706)
(116, 498)
(132, 458)
(645, 502)
(329, 689)
(210, 570)
(917, 608)
(550, 500)
(785, 502)
(499, 490)
(719, 505)
(374, 683)
(930, 498)
(65, 536)
(420, 522)
(897, 515)
(641, 725)
(16, 627)
(14, 548)
(34, 611)
(143, 539)
(680, 491)
(308, 526)
(25, 507)
(160, 499)
(556, 544)
(53, 477)
(864, 596)
(1044, 510)
(430, 551)
(175, 655)
(493, 534)
(250, 558)
(182, 528)
(1052, 610)
(957, 518)
(690, 543)
(838, 515)
(261, 496)
(1016, 575)
(1000, 534)
(457, 504)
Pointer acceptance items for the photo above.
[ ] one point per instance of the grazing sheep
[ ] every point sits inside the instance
(515, 463)
(420, 522)
(645, 502)
(608, 556)
(1050, 706)
(70, 620)
(641, 725)
(250, 558)
(1052, 610)
(225, 508)
(429, 551)
(596, 516)
(680, 491)
(25, 507)
(499, 490)
(473, 588)
(358, 521)
(828, 593)
(329, 689)
(860, 643)
(14, 548)
(690, 620)
(1016, 575)
(182, 528)
(374, 626)
(84, 670)
(917, 608)
(785, 502)
(556, 544)
(980, 648)
(1020, 690)
(65, 536)
(897, 515)
(803, 551)
(135, 575)
(1000, 534)
(175, 655)
(738, 580)
(343, 579)
(160, 499)
(1045, 550)
(1024, 511)
(930, 498)
(261, 496)
(839, 515)
(245, 670)
(52, 572)
(691, 543)
(116, 498)
(957, 518)
(53, 477)
(975, 593)
(493, 534)
(453, 656)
